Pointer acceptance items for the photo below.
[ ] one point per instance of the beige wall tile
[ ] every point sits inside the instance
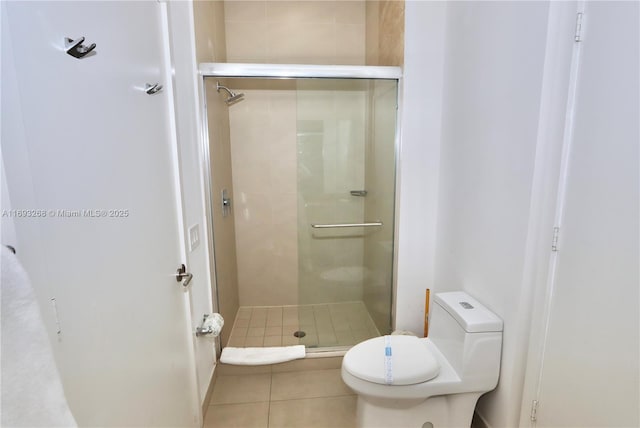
(385, 32)
(245, 11)
(209, 23)
(241, 389)
(246, 41)
(350, 12)
(392, 44)
(372, 29)
(307, 12)
(251, 415)
(283, 173)
(283, 47)
(335, 412)
(350, 44)
(264, 155)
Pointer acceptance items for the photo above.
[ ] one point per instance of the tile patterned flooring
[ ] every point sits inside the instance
(307, 393)
(325, 325)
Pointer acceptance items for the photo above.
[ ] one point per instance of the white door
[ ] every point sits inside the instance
(82, 141)
(590, 368)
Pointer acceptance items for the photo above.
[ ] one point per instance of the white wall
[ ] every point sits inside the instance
(478, 159)
(7, 231)
(492, 87)
(421, 99)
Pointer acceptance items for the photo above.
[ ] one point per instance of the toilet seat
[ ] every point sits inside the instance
(410, 363)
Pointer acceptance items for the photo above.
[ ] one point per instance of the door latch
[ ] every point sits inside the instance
(226, 203)
(182, 274)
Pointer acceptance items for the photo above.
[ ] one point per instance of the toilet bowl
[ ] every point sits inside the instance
(405, 381)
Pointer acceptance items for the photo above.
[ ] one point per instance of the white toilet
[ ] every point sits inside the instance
(404, 381)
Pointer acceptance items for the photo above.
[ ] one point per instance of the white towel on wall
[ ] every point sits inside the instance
(32, 393)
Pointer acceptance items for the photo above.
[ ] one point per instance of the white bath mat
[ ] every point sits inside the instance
(259, 356)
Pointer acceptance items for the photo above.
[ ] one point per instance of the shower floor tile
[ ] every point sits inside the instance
(325, 325)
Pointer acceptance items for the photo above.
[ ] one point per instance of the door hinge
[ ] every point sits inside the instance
(534, 410)
(554, 240)
(578, 34)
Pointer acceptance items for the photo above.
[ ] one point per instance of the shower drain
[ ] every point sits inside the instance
(299, 334)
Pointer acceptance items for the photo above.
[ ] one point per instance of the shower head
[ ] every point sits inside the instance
(233, 97)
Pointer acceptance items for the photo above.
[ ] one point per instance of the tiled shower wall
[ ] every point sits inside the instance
(295, 32)
(296, 154)
(385, 32)
(263, 130)
(263, 152)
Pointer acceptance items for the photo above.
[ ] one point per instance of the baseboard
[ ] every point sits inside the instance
(207, 396)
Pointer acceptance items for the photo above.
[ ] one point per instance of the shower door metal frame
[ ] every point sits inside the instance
(296, 71)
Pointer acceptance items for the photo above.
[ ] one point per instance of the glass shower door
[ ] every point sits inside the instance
(346, 180)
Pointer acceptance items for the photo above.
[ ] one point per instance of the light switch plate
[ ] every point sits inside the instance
(194, 237)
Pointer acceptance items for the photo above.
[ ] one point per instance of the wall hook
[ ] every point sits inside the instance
(76, 49)
(152, 89)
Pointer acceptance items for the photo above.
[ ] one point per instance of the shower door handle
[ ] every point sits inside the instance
(338, 225)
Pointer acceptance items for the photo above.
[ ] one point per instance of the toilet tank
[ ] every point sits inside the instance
(469, 336)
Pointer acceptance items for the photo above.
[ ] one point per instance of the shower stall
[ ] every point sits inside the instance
(302, 167)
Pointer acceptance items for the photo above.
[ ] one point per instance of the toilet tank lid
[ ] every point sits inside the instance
(472, 316)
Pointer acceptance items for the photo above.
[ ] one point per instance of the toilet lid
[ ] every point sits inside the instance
(409, 361)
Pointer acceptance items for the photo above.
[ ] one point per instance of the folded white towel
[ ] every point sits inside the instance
(258, 356)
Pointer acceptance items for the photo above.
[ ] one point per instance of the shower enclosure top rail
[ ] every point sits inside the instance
(218, 69)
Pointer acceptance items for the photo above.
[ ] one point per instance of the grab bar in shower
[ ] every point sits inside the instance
(332, 226)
